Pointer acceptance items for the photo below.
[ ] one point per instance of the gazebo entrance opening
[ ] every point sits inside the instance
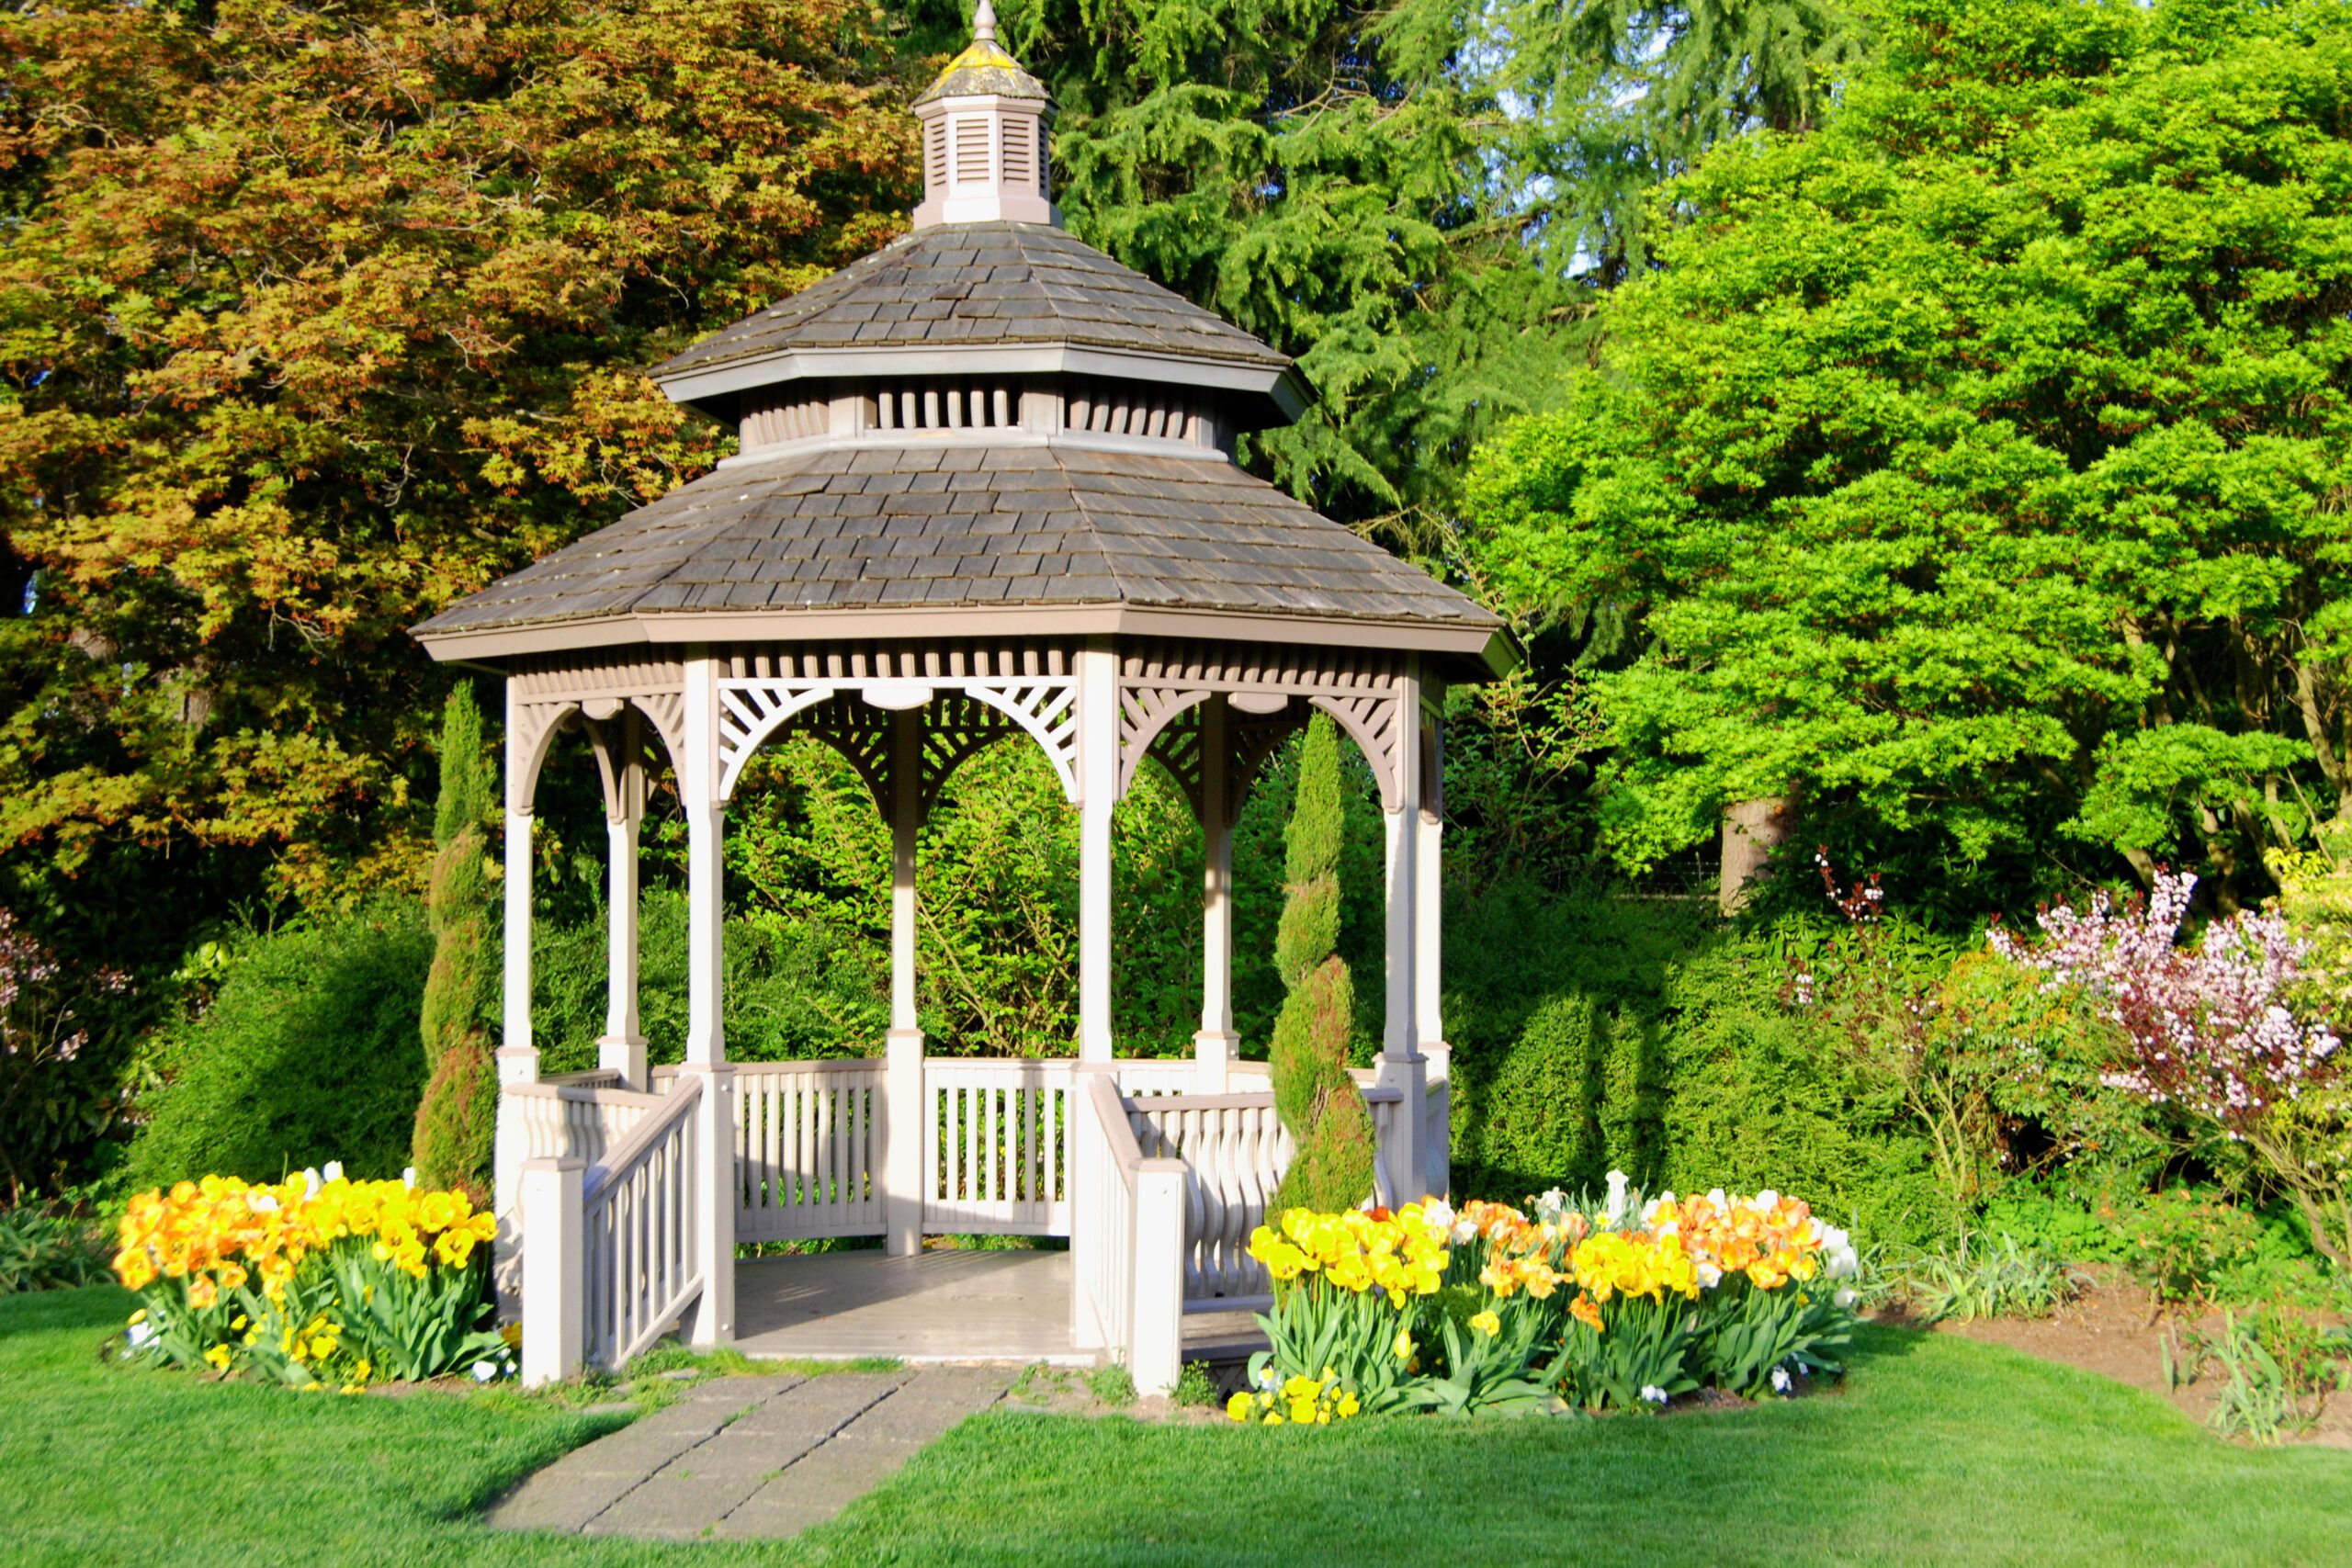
(986, 492)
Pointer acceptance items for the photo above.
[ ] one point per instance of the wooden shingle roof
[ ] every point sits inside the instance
(966, 525)
(981, 285)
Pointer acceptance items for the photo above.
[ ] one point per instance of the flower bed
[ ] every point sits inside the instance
(1617, 1302)
(315, 1283)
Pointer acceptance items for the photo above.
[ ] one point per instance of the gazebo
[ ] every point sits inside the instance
(985, 490)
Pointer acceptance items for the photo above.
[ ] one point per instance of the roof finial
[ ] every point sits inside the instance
(984, 23)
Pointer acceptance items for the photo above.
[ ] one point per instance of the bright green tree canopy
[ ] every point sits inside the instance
(1976, 464)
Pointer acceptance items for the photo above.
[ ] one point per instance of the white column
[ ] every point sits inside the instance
(1428, 938)
(1156, 1316)
(905, 1114)
(518, 1060)
(715, 1199)
(1212, 1047)
(1400, 1065)
(622, 1047)
(1098, 783)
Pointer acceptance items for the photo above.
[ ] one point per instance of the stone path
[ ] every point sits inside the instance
(749, 1456)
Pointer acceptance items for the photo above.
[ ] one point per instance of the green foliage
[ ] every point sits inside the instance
(41, 1251)
(1113, 1384)
(787, 994)
(1196, 1386)
(1319, 1103)
(1977, 1277)
(1321, 174)
(2278, 1369)
(1615, 97)
(1645, 1352)
(457, 1120)
(2192, 1245)
(308, 1054)
(1754, 1342)
(319, 318)
(1967, 467)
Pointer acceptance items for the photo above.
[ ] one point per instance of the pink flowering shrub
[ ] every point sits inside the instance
(2208, 1026)
(47, 1106)
(2209, 1031)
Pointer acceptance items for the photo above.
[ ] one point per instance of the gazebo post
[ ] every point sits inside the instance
(713, 1182)
(518, 1059)
(621, 1048)
(1098, 785)
(1401, 1066)
(1428, 939)
(1212, 1047)
(904, 1118)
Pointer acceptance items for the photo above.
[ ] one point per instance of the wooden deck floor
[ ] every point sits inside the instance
(936, 1306)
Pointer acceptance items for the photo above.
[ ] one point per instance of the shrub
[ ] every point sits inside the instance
(789, 992)
(2180, 1243)
(46, 1252)
(1319, 1103)
(308, 1048)
(458, 1117)
(51, 1104)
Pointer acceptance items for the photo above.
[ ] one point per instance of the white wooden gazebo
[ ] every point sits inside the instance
(986, 491)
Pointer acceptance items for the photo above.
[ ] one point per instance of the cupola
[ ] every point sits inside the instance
(984, 127)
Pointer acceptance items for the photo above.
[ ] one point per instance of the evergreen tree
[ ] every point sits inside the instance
(1320, 173)
(459, 1113)
(1313, 1094)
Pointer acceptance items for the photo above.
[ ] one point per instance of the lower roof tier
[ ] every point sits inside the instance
(1040, 533)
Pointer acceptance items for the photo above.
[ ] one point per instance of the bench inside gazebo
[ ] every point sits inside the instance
(986, 491)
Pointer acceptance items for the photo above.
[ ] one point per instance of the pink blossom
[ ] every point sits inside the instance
(2208, 1027)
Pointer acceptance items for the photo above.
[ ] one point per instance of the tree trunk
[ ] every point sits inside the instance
(1753, 830)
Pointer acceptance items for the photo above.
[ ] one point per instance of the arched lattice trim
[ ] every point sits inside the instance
(753, 711)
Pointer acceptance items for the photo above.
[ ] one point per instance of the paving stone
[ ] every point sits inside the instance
(822, 1405)
(551, 1501)
(806, 1449)
(671, 1502)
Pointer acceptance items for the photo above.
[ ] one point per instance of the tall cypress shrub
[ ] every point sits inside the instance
(1313, 1094)
(459, 1113)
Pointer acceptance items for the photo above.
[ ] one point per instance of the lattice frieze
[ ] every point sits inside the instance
(1145, 712)
(752, 711)
(961, 717)
(1272, 689)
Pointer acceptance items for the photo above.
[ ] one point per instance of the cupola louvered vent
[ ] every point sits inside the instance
(802, 419)
(1124, 408)
(945, 405)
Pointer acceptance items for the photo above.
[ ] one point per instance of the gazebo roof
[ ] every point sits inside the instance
(960, 287)
(1088, 539)
(986, 427)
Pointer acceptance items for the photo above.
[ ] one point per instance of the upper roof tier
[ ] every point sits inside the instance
(981, 298)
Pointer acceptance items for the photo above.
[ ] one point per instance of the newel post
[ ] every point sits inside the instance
(1156, 1355)
(555, 1280)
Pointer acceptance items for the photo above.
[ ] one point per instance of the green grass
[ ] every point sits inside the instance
(1941, 1449)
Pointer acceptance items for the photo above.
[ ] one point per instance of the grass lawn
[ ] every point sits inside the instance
(1940, 1447)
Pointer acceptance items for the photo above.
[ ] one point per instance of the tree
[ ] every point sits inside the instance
(459, 1118)
(1322, 175)
(1973, 465)
(314, 319)
(1618, 96)
(1319, 1103)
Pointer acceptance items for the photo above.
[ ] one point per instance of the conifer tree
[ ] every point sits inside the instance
(1313, 1094)
(455, 1122)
